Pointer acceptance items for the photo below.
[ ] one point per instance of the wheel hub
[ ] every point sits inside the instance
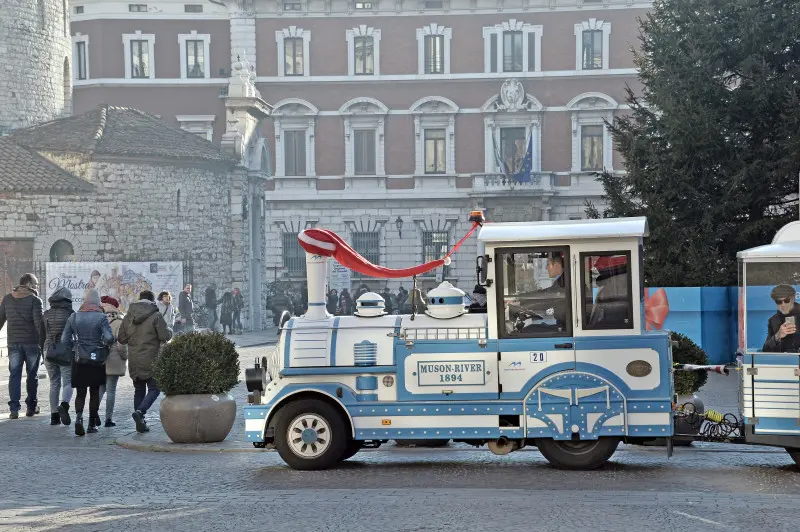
(309, 435)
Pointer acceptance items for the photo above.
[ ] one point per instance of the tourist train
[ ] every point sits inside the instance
(561, 357)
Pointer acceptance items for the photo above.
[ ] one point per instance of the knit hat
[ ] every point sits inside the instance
(108, 300)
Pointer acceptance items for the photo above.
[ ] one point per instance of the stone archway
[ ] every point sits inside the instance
(61, 251)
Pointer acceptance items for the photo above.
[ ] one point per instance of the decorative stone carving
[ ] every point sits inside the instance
(512, 95)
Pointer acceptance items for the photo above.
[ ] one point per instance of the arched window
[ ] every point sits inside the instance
(61, 251)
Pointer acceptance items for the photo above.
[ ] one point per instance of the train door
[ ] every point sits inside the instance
(534, 319)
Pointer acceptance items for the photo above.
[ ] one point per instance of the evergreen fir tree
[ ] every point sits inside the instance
(711, 146)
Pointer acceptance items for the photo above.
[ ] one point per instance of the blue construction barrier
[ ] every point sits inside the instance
(707, 315)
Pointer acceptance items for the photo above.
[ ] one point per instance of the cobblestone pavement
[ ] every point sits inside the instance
(53, 480)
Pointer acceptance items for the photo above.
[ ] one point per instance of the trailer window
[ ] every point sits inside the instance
(534, 293)
(606, 293)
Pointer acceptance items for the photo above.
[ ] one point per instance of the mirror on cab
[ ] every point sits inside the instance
(482, 270)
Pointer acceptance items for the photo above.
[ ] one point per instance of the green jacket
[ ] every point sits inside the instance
(144, 331)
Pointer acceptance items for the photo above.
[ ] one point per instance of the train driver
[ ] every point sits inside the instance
(782, 334)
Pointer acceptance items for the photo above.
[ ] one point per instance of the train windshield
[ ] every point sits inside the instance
(771, 305)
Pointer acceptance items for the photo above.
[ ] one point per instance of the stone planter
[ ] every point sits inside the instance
(200, 418)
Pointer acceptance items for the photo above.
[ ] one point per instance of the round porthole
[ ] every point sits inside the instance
(639, 368)
(388, 381)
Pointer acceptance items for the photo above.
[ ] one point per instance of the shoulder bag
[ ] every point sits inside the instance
(58, 353)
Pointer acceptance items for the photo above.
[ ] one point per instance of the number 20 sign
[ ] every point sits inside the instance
(538, 356)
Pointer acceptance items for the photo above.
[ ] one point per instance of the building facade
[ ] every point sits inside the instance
(389, 120)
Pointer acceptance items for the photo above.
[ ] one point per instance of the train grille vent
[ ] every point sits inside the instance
(365, 353)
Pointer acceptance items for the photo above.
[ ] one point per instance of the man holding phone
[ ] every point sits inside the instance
(782, 334)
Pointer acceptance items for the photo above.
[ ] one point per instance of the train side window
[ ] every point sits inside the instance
(606, 292)
(534, 293)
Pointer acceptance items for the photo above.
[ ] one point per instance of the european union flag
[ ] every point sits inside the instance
(524, 174)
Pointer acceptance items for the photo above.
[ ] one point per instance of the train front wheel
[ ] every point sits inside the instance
(310, 435)
(578, 455)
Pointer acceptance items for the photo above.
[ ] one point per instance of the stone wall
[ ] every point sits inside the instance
(136, 215)
(35, 46)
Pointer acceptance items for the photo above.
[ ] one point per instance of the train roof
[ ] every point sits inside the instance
(786, 244)
(565, 230)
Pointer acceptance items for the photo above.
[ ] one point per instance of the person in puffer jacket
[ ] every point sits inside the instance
(144, 331)
(59, 373)
(117, 360)
(22, 310)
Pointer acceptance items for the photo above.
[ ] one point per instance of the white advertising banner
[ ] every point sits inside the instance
(121, 280)
(339, 277)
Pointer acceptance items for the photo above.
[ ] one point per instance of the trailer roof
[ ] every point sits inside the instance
(786, 244)
(564, 230)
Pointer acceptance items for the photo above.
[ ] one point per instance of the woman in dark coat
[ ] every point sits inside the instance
(89, 333)
(58, 371)
(226, 312)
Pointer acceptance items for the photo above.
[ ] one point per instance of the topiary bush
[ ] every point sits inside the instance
(197, 363)
(688, 352)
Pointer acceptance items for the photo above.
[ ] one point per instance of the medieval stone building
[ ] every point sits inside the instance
(117, 184)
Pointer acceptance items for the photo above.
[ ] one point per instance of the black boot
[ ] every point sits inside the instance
(94, 422)
(141, 424)
(109, 423)
(63, 413)
(79, 426)
(55, 419)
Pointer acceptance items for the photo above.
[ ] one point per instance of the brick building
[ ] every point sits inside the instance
(389, 119)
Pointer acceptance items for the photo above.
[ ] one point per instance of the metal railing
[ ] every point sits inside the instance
(446, 333)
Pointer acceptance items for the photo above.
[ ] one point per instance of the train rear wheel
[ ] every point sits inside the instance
(579, 455)
(795, 454)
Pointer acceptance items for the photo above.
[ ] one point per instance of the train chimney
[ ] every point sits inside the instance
(316, 272)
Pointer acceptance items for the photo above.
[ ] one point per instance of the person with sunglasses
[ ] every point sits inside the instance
(782, 334)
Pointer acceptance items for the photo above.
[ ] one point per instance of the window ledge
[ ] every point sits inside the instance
(365, 176)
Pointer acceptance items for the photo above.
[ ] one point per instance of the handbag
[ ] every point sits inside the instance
(60, 354)
(95, 357)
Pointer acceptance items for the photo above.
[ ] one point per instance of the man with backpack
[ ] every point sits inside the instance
(144, 331)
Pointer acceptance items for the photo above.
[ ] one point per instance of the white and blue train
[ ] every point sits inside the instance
(560, 358)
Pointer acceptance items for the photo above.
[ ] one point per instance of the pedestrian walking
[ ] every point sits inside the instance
(332, 302)
(238, 305)
(186, 309)
(117, 361)
(388, 301)
(226, 312)
(144, 331)
(22, 310)
(89, 333)
(166, 308)
(280, 303)
(211, 306)
(345, 302)
(57, 357)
